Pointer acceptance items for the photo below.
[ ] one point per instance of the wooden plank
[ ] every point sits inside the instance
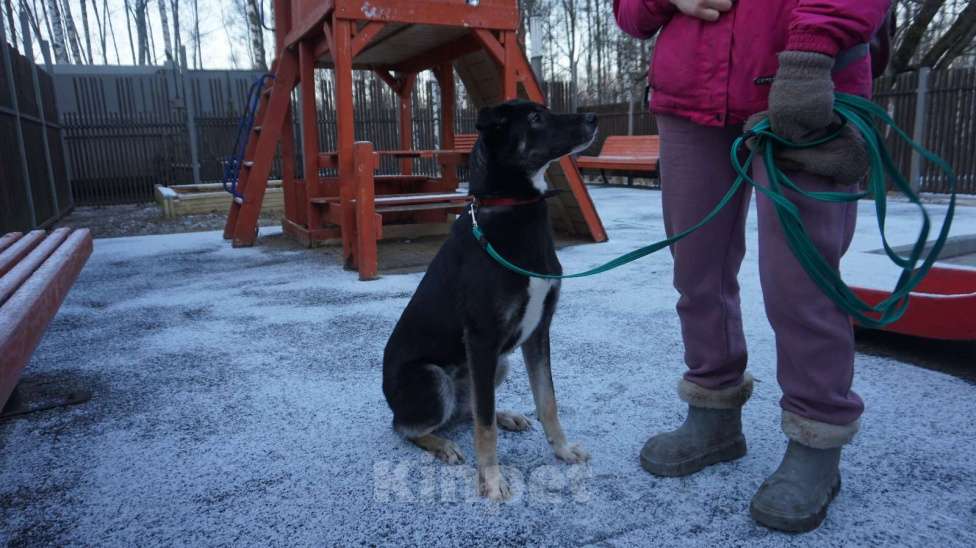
(501, 16)
(26, 314)
(366, 223)
(26, 266)
(8, 239)
(19, 249)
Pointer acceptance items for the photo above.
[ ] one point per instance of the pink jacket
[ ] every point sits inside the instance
(719, 73)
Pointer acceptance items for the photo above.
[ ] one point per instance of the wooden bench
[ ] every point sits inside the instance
(631, 155)
(36, 271)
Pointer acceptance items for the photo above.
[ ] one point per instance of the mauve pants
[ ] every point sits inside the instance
(814, 339)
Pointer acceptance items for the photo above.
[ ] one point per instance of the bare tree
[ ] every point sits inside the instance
(164, 22)
(57, 36)
(10, 21)
(177, 43)
(85, 29)
(73, 41)
(256, 34)
(142, 29)
(953, 41)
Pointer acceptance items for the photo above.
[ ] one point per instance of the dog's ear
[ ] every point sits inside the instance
(489, 119)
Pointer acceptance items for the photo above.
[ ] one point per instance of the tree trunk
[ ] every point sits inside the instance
(142, 34)
(57, 36)
(962, 28)
(86, 30)
(197, 57)
(128, 27)
(164, 23)
(10, 21)
(913, 35)
(73, 41)
(257, 34)
(177, 44)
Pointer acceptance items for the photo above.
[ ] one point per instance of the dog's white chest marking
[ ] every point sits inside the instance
(539, 180)
(538, 290)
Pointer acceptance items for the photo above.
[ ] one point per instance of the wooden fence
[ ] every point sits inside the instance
(34, 188)
(947, 101)
(130, 128)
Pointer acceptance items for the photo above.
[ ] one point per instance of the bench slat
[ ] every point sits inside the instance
(26, 314)
(8, 239)
(19, 249)
(404, 199)
(23, 269)
(629, 153)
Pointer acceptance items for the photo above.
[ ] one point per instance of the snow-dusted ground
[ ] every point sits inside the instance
(237, 401)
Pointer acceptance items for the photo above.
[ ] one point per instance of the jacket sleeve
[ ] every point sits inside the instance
(642, 18)
(831, 26)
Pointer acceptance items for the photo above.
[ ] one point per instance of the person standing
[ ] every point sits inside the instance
(716, 64)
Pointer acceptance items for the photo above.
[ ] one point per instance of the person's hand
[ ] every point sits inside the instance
(709, 10)
(844, 159)
(801, 100)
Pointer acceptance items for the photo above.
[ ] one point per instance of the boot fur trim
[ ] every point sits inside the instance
(732, 397)
(815, 434)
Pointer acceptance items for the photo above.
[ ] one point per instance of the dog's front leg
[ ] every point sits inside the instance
(482, 361)
(535, 351)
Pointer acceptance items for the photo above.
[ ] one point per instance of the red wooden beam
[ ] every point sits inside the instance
(490, 15)
(365, 35)
(272, 123)
(306, 16)
(345, 132)
(365, 161)
(406, 118)
(491, 44)
(310, 134)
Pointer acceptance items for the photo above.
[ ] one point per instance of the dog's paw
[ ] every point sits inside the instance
(512, 421)
(573, 454)
(449, 452)
(493, 485)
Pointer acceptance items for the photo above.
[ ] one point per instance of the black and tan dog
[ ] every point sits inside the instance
(447, 352)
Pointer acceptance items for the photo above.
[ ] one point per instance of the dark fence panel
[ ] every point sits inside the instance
(33, 179)
(950, 123)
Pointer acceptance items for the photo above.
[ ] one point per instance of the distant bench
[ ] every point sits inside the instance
(36, 271)
(630, 155)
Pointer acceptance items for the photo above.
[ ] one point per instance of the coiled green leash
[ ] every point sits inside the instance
(862, 114)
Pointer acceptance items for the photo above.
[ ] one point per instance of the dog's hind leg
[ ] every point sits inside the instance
(426, 402)
(445, 450)
(535, 350)
(508, 420)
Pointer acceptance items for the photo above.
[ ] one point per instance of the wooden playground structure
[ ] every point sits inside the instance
(396, 39)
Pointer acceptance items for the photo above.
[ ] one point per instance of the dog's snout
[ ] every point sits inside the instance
(590, 118)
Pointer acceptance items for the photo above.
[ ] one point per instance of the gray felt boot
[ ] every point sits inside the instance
(795, 498)
(711, 433)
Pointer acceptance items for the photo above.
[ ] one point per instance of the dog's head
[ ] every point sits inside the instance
(516, 142)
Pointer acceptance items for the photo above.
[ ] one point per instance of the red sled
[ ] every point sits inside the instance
(942, 306)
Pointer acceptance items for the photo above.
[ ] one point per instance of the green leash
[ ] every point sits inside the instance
(862, 114)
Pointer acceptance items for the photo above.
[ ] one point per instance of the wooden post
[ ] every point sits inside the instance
(405, 92)
(918, 132)
(310, 134)
(365, 163)
(345, 133)
(509, 78)
(445, 82)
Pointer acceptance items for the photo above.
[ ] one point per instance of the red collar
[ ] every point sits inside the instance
(489, 201)
(506, 201)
